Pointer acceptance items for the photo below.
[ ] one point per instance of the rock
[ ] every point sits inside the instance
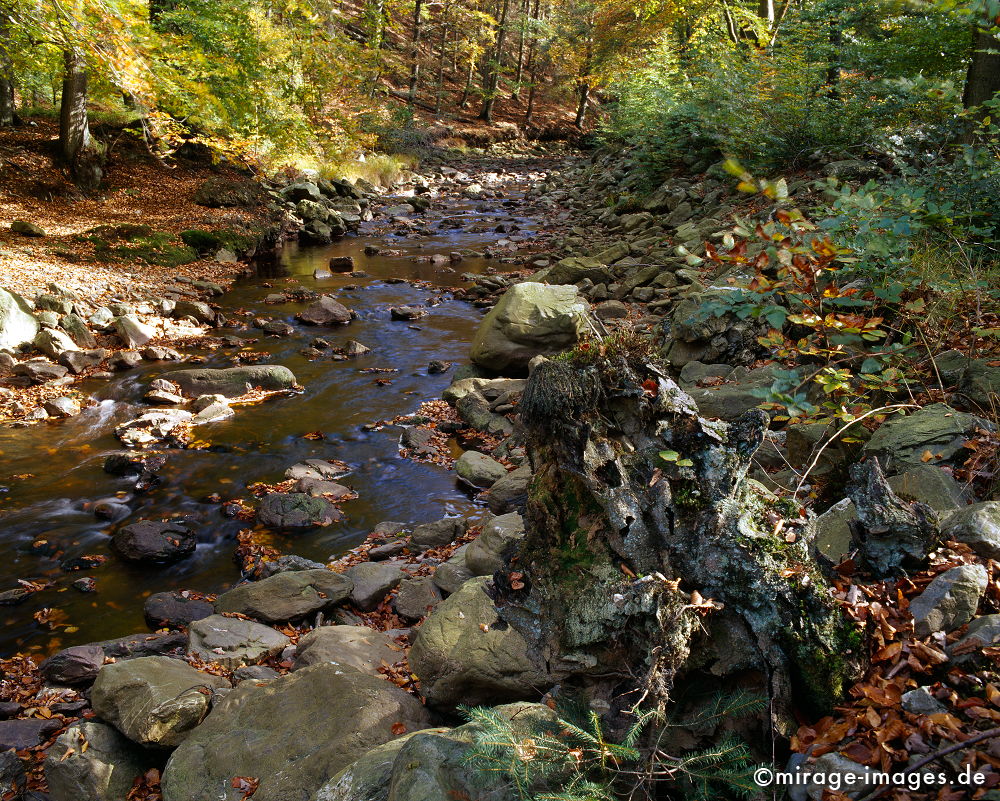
(729, 401)
(510, 492)
(27, 733)
(372, 582)
(287, 563)
(983, 632)
(479, 470)
(73, 666)
(231, 381)
(851, 778)
(153, 427)
(342, 264)
(454, 573)
(475, 410)
(902, 443)
(154, 542)
(53, 343)
(91, 761)
(440, 532)
(137, 645)
(406, 312)
(232, 641)
(416, 597)
(978, 526)
(357, 647)
(273, 732)
(18, 325)
(286, 596)
(460, 663)
(437, 366)
(462, 386)
(75, 326)
(215, 413)
(949, 601)
(80, 360)
(530, 319)
(833, 530)
(38, 371)
(485, 553)
(930, 485)
(317, 469)
(302, 190)
(325, 311)
(611, 310)
(153, 700)
(159, 397)
(366, 779)
(132, 332)
(331, 490)
(296, 510)
(13, 778)
(63, 407)
(278, 328)
(25, 228)
(174, 610)
(574, 270)
(980, 383)
(921, 702)
(219, 192)
(200, 311)
(353, 349)
(255, 673)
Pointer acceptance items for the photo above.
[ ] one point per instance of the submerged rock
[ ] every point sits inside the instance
(154, 542)
(232, 381)
(296, 510)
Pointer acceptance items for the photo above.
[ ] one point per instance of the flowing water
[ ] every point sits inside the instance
(52, 472)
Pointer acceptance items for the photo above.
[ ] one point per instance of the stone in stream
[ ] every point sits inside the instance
(287, 596)
(154, 700)
(353, 349)
(440, 532)
(232, 641)
(278, 328)
(154, 542)
(292, 733)
(325, 311)
(296, 510)
(231, 381)
(153, 427)
(200, 311)
(63, 407)
(331, 490)
(357, 647)
(372, 582)
(174, 610)
(479, 470)
(78, 665)
(342, 264)
(461, 657)
(407, 312)
(18, 325)
(316, 469)
(132, 332)
(92, 761)
(287, 563)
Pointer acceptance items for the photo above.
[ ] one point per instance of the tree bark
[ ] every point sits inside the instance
(8, 112)
(415, 50)
(442, 55)
(581, 109)
(982, 81)
(75, 144)
(522, 43)
(493, 67)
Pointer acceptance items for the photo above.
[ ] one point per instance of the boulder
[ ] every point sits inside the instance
(132, 332)
(933, 435)
(77, 665)
(372, 582)
(479, 470)
(357, 647)
(231, 381)
(451, 575)
(153, 427)
(366, 779)
(292, 733)
(462, 657)
(197, 309)
(440, 532)
(53, 343)
(574, 270)
(930, 485)
(302, 190)
(978, 526)
(154, 542)
(286, 596)
(296, 510)
(91, 761)
(416, 597)
(62, 408)
(18, 325)
(25, 228)
(949, 601)
(219, 192)
(510, 492)
(530, 319)
(13, 778)
(232, 641)
(153, 700)
(38, 371)
(26, 733)
(485, 553)
(325, 311)
(174, 610)
(983, 632)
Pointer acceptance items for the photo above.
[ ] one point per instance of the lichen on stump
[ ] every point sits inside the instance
(636, 504)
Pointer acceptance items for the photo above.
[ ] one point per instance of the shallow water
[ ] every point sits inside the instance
(62, 461)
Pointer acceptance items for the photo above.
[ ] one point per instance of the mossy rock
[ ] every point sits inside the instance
(139, 243)
(205, 241)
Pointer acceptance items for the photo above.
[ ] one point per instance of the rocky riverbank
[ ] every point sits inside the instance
(641, 541)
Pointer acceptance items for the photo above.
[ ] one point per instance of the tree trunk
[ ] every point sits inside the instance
(75, 144)
(8, 112)
(649, 559)
(521, 44)
(442, 55)
(581, 109)
(833, 69)
(468, 84)
(492, 77)
(415, 50)
(982, 81)
(532, 69)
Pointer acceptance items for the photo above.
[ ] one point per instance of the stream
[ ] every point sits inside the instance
(53, 472)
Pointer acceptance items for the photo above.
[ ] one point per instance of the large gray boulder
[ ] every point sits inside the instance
(978, 526)
(462, 657)
(154, 542)
(485, 553)
(325, 311)
(479, 470)
(368, 778)
(949, 601)
(293, 733)
(372, 582)
(452, 574)
(296, 510)
(132, 331)
(357, 647)
(232, 641)
(18, 325)
(935, 435)
(287, 595)
(510, 492)
(530, 319)
(91, 761)
(153, 700)
(231, 381)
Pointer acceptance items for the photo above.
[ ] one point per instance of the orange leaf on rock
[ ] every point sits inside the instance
(398, 728)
